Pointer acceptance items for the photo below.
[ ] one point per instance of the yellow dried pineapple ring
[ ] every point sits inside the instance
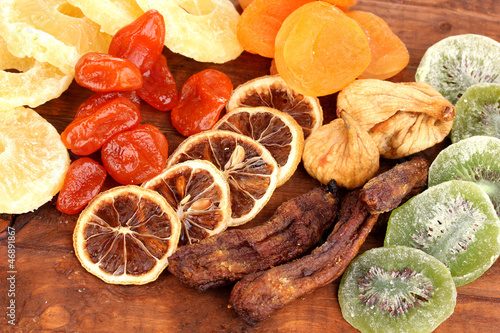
(111, 15)
(204, 30)
(33, 84)
(51, 31)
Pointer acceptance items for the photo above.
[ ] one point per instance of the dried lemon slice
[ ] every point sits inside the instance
(248, 167)
(199, 193)
(275, 130)
(204, 30)
(51, 31)
(33, 161)
(272, 91)
(126, 234)
(32, 83)
(111, 15)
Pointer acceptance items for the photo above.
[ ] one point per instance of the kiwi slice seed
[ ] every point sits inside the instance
(396, 289)
(473, 159)
(455, 222)
(458, 62)
(477, 112)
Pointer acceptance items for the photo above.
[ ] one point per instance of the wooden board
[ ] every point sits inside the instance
(54, 293)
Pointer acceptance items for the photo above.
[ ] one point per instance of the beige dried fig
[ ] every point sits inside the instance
(342, 151)
(406, 133)
(402, 118)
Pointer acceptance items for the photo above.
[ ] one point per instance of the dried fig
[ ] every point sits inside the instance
(406, 133)
(402, 118)
(342, 151)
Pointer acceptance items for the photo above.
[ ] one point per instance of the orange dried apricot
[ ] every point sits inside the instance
(389, 53)
(320, 50)
(244, 3)
(261, 20)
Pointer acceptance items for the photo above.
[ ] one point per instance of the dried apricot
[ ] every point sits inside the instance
(262, 19)
(389, 53)
(320, 50)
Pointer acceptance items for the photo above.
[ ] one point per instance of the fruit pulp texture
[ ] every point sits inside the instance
(201, 100)
(319, 49)
(136, 155)
(82, 182)
(159, 88)
(86, 135)
(141, 41)
(102, 72)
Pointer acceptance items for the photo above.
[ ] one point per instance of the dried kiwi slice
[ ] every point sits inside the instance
(477, 112)
(458, 62)
(396, 289)
(455, 222)
(474, 159)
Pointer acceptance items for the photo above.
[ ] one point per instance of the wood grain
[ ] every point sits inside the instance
(54, 293)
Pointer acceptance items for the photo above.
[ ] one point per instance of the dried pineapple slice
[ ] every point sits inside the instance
(32, 83)
(51, 31)
(111, 15)
(204, 30)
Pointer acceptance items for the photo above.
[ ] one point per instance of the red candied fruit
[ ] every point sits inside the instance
(101, 72)
(86, 135)
(82, 183)
(159, 88)
(201, 100)
(141, 41)
(135, 156)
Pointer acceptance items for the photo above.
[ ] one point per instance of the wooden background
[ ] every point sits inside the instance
(54, 293)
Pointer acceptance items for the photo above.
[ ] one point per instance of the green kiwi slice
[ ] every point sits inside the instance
(455, 222)
(396, 289)
(477, 112)
(474, 159)
(458, 62)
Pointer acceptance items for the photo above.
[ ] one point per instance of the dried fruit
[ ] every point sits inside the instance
(202, 98)
(458, 62)
(126, 234)
(109, 14)
(141, 41)
(86, 135)
(478, 112)
(455, 222)
(199, 194)
(319, 49)
(343, 151)
(260, 22)
(389, 53)
(473, 159)
(275, 130)
(24, 24)
(158, 86)
(95, 101)
(104, 73)
(396, 289)
(32, 83)
(136, 155)
(33, 161)
(272, 91)
(82, 182)
(248, 167)
(401, 118)
(204, 30)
